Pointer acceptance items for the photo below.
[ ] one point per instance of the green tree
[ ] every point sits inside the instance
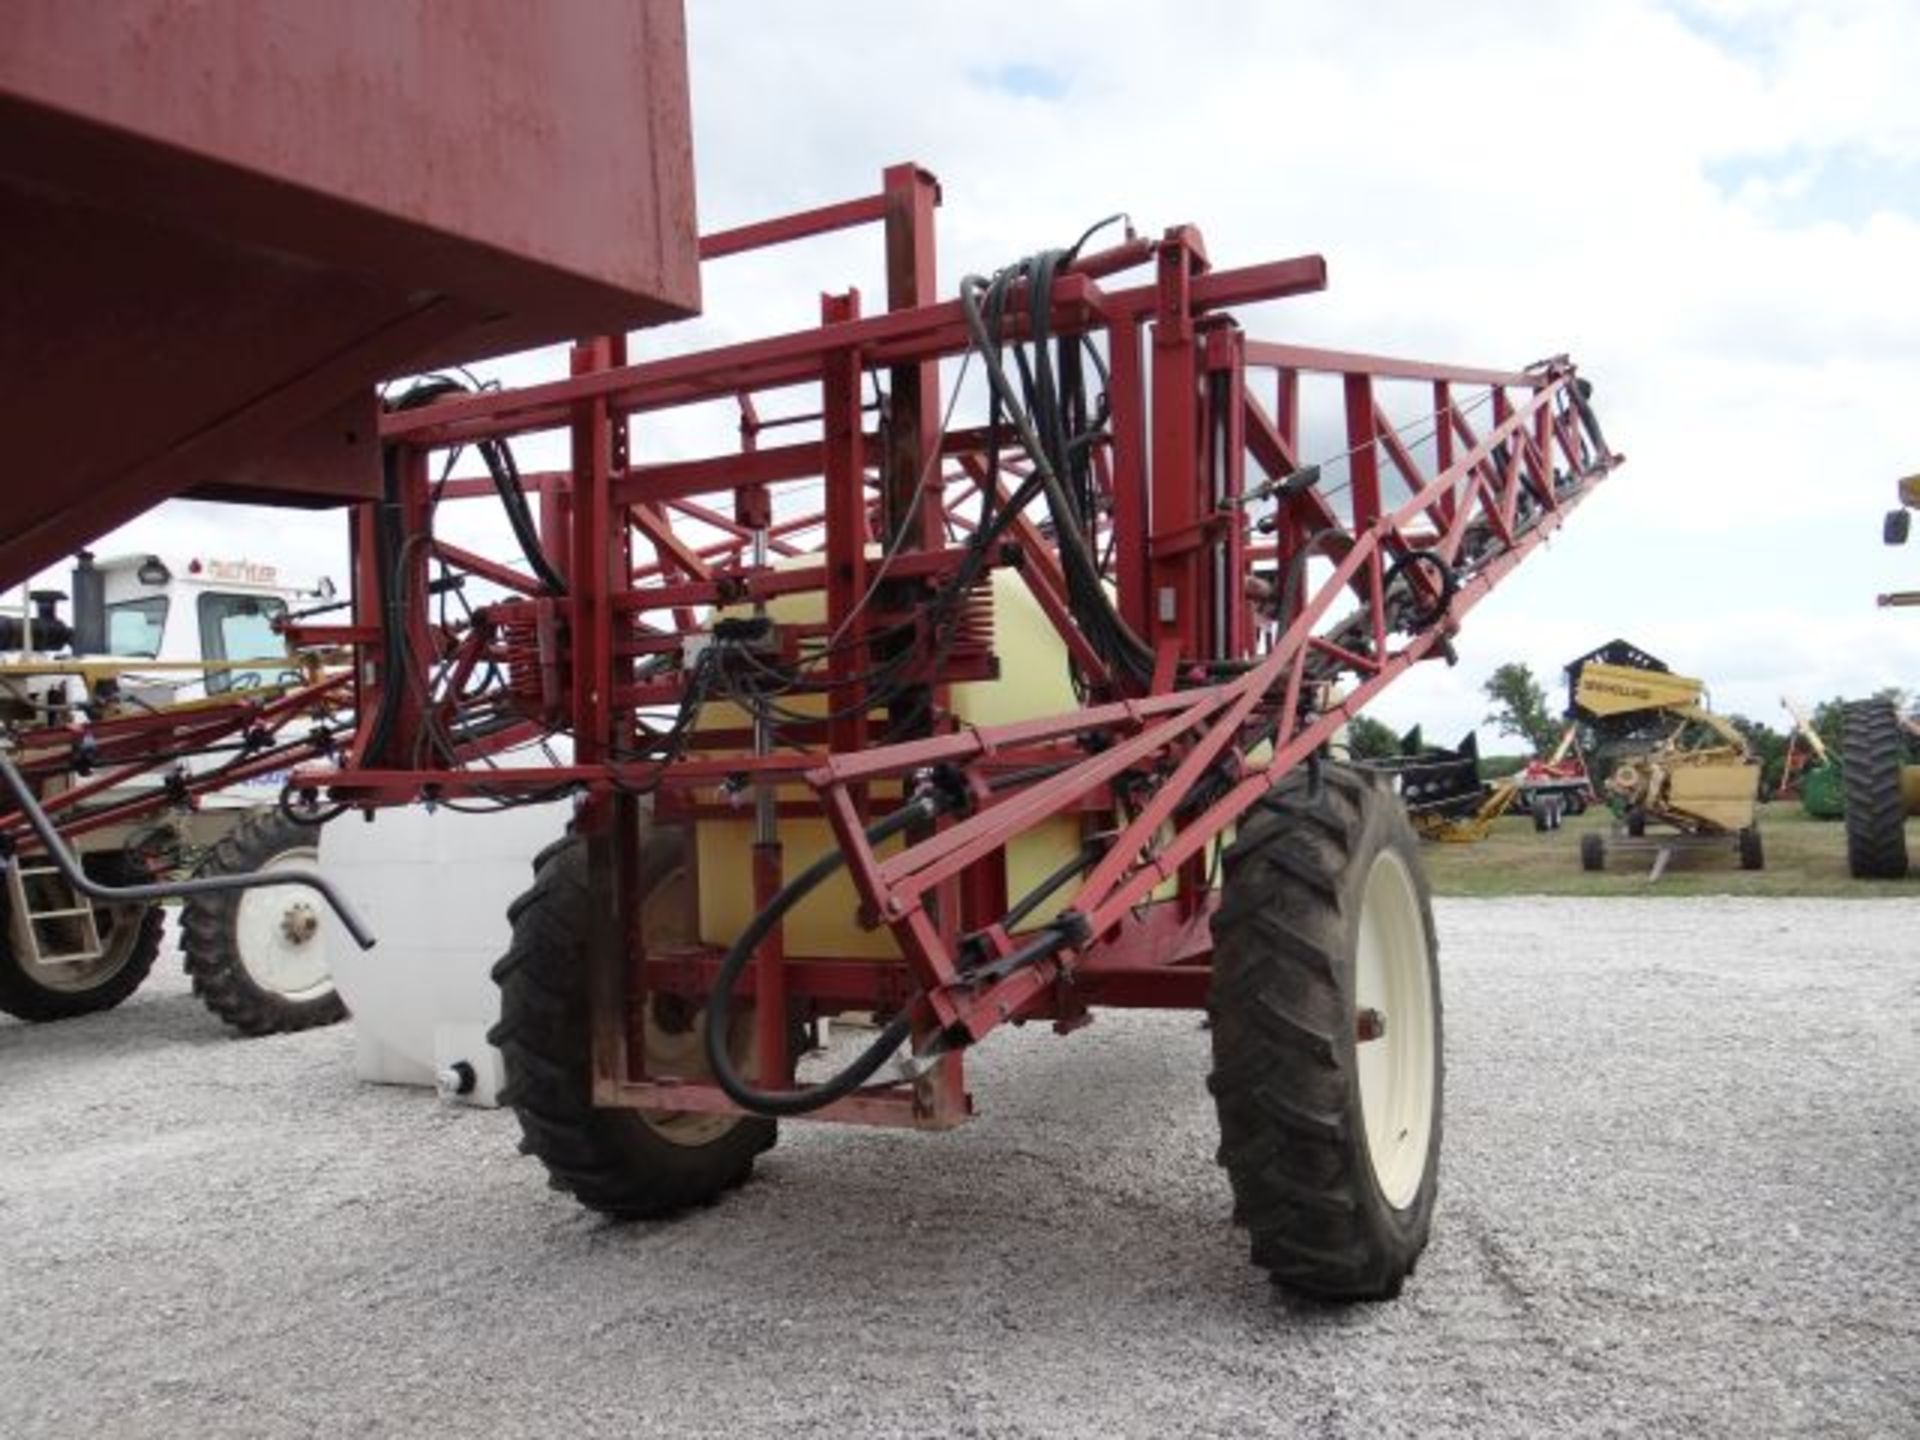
(1825, 720)
(1520, 707)
(1368, 739)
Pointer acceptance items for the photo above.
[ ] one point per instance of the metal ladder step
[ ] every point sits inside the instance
(27, 922)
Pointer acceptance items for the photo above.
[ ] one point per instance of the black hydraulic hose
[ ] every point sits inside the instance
(65, 862)
(513, 499)
(316, 818)
(1032, 900)
(1044, 942)
(720, 1000)
(498, 455)
(388, 549)
(386, 520)
(1087, 598)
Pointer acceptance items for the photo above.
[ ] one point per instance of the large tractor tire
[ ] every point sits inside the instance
(130, 940)
(1871, 749)
(258, 958)
(1326, 1029)
(629, 1164)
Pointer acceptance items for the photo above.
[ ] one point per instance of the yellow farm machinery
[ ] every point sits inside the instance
(1669, 761)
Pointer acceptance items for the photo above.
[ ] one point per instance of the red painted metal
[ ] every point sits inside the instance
(94, 774)
(779, 231)
(1278, 596)
(233, 217)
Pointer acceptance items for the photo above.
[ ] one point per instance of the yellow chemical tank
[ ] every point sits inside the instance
(1033, 683)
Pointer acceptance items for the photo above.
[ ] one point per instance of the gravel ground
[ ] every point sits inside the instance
(1681, 1195)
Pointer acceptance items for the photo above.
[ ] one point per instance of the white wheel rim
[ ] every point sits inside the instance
(280, 932)
(1396, 1068)
(682, 1053)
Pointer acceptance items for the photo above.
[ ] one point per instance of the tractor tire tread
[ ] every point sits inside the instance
(210, 947)
(1283, 1079)
(25, 999)
(1870, 771)
(609, 1160)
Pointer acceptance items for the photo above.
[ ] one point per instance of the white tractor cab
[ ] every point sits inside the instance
(206, 625)
(199, 611)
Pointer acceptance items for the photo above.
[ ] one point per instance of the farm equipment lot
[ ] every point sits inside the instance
(1677, 1198)
(1805, 857)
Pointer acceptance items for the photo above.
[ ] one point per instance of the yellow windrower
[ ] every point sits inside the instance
(1468, 829)
(1697, 788)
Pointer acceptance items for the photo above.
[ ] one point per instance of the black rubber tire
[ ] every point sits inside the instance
(210, 944)
(1753, 855)
(1576, 803)
(23, 996)
(1636, 823)
(610, 1160)
(1871, 750)
(1593, 851)
(1282, 1009)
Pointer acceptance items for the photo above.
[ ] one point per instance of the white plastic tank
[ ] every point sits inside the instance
(434, 888)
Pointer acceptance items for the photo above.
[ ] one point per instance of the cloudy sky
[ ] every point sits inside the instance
(1713, 206)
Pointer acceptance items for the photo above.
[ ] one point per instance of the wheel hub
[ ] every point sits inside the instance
(280, 942)
(298, 924)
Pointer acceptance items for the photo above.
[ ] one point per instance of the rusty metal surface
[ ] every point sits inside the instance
(228, 218)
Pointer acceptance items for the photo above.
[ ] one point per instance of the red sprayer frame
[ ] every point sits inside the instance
(1273, 598)
(98, 773)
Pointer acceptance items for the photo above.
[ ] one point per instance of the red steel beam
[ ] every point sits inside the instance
(930, 332)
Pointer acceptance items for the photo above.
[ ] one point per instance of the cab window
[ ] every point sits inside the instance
(240, 627)
(134, 627)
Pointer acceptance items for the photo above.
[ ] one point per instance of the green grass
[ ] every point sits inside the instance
(1804, 857)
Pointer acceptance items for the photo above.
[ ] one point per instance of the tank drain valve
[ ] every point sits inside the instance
(455, 1080)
